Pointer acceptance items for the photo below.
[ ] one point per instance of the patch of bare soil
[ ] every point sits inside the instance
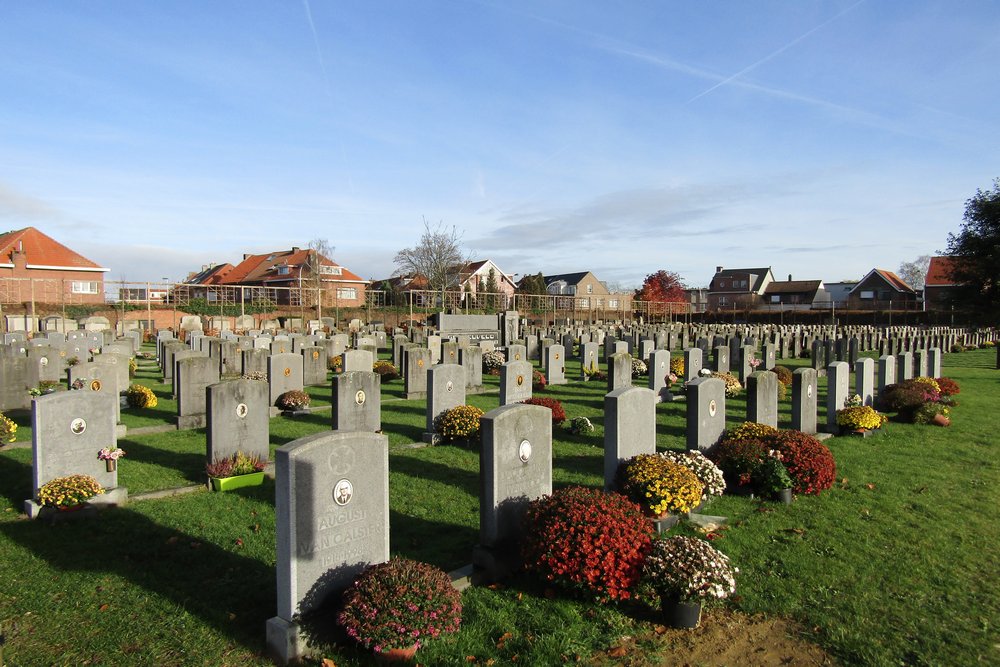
(724, 638)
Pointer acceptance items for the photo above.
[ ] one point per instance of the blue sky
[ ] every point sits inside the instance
(819, 138)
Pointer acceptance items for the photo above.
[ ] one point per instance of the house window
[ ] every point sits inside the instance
(347, 293)
(590, 289)
(743, 283)
(326, 269)
(283, 270)
(867, 294)
(84, 287)
(722, 301)
(584, 303)
(775, 298)
(612, 303)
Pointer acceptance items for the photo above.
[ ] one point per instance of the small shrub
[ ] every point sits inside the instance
(709, 474)
(386, 370)
(132, 367)
(741, 449)
(558, 413)
(398, 604)
(336, 363)
(538, 381)
(771, 476)
(293, 400)
(492, 361)
(68, 491)
(926, 413)
(930, 382)
(459, 423)
(782, 390)
(784, 374)
(947, 386)
(957, 347)
(689, 569)
(8, 429)
(809, 462)
(639, 368)
(255, 375)
(659, 485)
(860, 417)
(580, 426)
(587, 541)
(677, 366)
(140, 396)
(733, 386)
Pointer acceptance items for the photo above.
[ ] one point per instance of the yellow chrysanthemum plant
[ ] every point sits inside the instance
(69, 491)
(860, 417)
(659, 485)
(8, 430)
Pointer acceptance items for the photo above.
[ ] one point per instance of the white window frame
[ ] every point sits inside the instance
(84, 287)
(867, 294)
(328, 270)
(347, 293)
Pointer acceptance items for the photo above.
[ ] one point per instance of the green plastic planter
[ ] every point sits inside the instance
(237, 482)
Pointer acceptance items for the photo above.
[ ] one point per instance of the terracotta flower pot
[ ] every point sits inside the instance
(396, 655)
(941, 420)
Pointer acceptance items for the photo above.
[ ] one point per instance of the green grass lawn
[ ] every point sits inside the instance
(894, 565)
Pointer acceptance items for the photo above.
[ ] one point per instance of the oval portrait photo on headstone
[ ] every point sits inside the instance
(450, 386)
(343, 492)
(241, 410)
(520, 380)
(809, 390)
(359, 397)
(78, 426)
(44, 361)
(95, 385)
(712, 408)
(524, 451)
(288, 371)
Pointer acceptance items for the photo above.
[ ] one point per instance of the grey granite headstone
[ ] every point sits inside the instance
(515, 382)
(886, 371)
(555, 364)
(720, 359)
(418, 360)
(934, 362)
(804, 400)
(194, 375)
(471, 359)
(14, 383)
(284, 373)
(619, 371)
(838, 380)
(69, 428)
(331, 521)
(659, 368)
(357, 401)
(864, 379)
(904, 366)
(445, 390)
(629, 427)
(314, 366)
(588, 358)
(358, 360)
(692, 363)
(762, 398)
(706, 412)
(238, 419)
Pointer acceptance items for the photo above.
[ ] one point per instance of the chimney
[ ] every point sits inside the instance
(789, 277)
(718, 269)
(246, 255)
(295, 248)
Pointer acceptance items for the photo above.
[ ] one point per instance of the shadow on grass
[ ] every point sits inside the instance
(419, 469)
(168, 563)
(192, 465)
(15, 481)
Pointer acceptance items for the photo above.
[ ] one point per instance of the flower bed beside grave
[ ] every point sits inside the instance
(733, 386)
(709, 474)
(860, 418)
(385, 370)
(293, 401)
(920, 400)
(639, 368)
(538, 381)
(140, 396)
(587, 541)
(65, 493)
(492, 361)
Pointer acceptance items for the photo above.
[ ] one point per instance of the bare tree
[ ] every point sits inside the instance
(913, 273)
(437, 257)
(319, 251)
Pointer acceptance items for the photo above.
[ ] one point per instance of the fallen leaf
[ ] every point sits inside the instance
(659, 629)
(520, 596)
(328, 663)
(503, 639)
(232, 616)
(470, 658)
(239, 541)
(870, 486)
(103, 607)
(796, 531)
(618, 651)
(490, 661)
(495, 587)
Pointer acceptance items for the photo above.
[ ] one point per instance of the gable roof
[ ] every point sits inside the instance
(568, 278)
(760, 274)
(210, 275)
(42, 251)
(939, 272)
(890, 279)
(264, 268)
(793, 286)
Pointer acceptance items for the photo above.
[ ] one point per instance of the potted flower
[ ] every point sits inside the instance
(639, 368)
(8, 430)
(399, 604)
(660, 486)
(293, 401)
(140, 396)
(493, 360)
(236, 471)
(68, 493)
(709, 474)
(686, 572)
(459, 424)
(110, 456)
(771, 477)
(580, 426)
(538, 381)
(860, 419)
(593, 372)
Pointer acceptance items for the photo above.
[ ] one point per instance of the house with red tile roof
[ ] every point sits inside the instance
(35, 267)
(939, 286)
(738, 288)
(882, 290)
(288, 278)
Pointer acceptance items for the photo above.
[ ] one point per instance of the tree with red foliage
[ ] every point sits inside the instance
(661, 288)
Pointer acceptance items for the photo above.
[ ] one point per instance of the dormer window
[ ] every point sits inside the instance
(328, 270)
(283, 270)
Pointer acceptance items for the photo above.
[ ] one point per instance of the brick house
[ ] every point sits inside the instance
(284, 277)
(882, 290)
(738, 289)
(939, 286)
(584, 290)
(795, 295)
(36, 268)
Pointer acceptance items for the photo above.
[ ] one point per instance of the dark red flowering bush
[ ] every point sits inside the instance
(784, 374)
(948, 386)
(741, 450)
(588, 541)
(558, 413)
(809, 462)
(906, 398)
